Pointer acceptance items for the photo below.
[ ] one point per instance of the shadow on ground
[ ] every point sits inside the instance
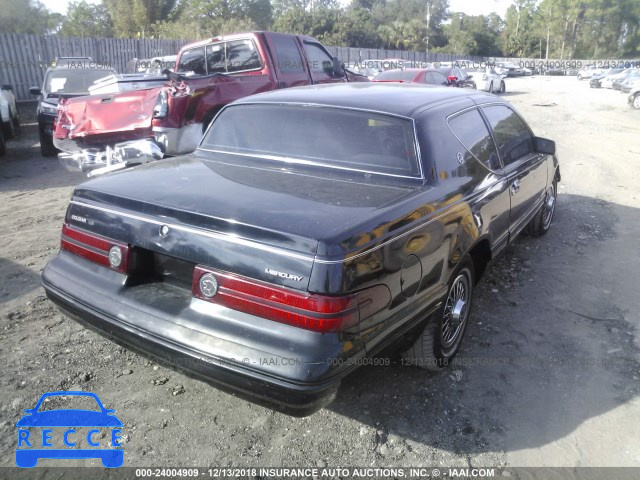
(550, 346)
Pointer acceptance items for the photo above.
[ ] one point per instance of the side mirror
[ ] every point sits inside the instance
(469, 76)
(7, 87)
(338, 69)
(35, 91)
(544, 145)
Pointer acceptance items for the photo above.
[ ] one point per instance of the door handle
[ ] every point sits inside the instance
(515, 186)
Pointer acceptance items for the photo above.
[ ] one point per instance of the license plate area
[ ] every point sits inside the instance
(152, 267)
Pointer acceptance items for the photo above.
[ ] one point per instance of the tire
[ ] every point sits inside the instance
(491, 87)
(540, 224)
(503, 87)
(46, 145)
(3, 146)
(440, 339)
(9, 129)
(636, 101)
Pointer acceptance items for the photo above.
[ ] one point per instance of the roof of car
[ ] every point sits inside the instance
(395, 98)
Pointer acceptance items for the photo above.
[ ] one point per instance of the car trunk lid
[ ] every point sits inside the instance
(257, 222)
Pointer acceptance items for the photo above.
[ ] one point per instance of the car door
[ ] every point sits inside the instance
(290, 67)
(320, 63)
(525, 169)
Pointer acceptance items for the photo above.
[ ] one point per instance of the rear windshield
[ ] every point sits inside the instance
(397, 75)
(322, 136)
(75, 81)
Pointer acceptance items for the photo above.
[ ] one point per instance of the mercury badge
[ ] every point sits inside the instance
(164, 231)
(208, 285)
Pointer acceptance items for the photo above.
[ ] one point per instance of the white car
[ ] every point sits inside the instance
(8, 111)
(489, 80)
(634, 94)
(589, 71)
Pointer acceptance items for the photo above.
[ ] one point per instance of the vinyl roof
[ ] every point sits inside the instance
(395, 98)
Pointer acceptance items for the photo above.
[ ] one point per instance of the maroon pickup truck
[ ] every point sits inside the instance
(100, 133)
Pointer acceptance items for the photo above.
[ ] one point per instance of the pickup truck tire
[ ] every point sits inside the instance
(439, 341)
(3, 146)
(46, 145)
(9, 129)
(540, 224)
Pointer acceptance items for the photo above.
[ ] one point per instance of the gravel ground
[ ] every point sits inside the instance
(548, 374)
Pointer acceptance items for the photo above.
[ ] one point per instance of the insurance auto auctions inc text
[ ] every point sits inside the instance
(365, 472)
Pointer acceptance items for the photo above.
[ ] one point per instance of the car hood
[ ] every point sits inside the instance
(69, 418)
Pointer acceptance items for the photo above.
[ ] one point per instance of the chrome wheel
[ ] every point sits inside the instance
(636, 101)
(549, 206)
(456, 310)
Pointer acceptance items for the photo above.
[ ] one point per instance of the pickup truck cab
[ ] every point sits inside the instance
(173, 117)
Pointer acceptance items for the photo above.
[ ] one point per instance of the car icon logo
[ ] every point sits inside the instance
(68, 426)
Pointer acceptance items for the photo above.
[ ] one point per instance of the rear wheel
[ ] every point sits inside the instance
(503, 87)
(636, 100)
(491, 87)
(439, 341)
(540, 224)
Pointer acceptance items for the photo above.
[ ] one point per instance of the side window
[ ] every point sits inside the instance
(319, 60)
(436, 78)
(473, 133)
(193, 61)
(289, 59)
(512, 135)
(216, 58)
(242, 55)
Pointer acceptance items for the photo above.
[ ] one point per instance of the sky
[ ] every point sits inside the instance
(470, 7)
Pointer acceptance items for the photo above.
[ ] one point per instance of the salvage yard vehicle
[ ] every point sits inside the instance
(69, 77)
(8, 112)
(489, 80)
(142, 125)
(414, 75)
(459, 77)
(628, 77)
(634, 94)
(296, 242)
(596, 80)
(589, 71)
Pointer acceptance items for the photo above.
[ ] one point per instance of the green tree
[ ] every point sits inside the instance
(85, 20)
(137, 18)
(20, 16)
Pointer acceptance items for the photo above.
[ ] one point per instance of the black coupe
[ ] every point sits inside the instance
(312, 228)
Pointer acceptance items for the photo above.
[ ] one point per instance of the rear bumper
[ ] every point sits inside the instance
(227, 360)
(179, 141)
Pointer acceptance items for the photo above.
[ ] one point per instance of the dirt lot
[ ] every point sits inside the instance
(549, 373)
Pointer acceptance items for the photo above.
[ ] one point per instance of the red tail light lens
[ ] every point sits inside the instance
(305, 310)
(101, 250)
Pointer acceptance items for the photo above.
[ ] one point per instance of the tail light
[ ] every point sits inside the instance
(100, 250)
(452, 79)
(301, 309)
(161, 108)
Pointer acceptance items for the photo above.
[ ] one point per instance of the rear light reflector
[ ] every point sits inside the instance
(301, 309)
(98, 249)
